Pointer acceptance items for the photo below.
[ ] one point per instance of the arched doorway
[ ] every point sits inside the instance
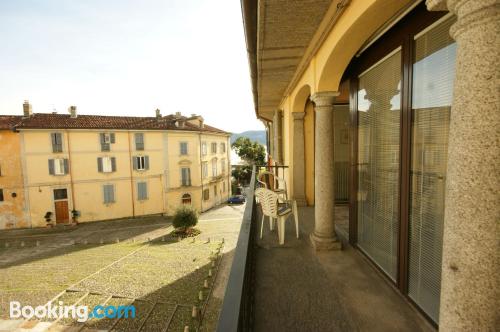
(186, 199)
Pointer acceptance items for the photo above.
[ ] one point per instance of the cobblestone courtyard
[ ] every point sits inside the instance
(118, 263)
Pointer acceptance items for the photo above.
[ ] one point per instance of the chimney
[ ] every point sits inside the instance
(158, 114)
(72, 112)
(27, 112)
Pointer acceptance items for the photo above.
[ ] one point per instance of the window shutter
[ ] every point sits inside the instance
(112, 138)
(113, 164)
(54, 141)
(189, 176)
(112, 193)
(135, 162)
(103, 138)
(99, 165)
(51, 167)
(66, 166)
(146, 162)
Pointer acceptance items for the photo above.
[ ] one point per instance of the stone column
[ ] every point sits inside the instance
(470, 273)
(298, 159)
(324, 237)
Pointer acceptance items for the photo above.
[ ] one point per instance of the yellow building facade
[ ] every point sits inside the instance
(13, 206)
(83, 168)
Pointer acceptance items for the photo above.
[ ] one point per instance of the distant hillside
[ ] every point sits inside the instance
(254, 135)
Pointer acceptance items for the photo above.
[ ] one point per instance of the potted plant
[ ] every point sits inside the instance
(48, 218)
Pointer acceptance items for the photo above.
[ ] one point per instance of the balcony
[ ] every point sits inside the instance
(217, 177)
(294, 288)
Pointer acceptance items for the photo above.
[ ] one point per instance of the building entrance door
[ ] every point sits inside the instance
(61, 206)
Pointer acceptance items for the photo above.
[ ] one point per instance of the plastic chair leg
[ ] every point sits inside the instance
(271, 223)
(281, 230)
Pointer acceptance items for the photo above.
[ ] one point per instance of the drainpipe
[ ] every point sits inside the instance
(71, 176)
(201, 172)
(131, 174)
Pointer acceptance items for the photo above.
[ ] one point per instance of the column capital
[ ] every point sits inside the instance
(471, 13)
(298, 115)
(324, 98)
(436, 5)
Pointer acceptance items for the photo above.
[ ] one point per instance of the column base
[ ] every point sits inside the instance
(325, 243)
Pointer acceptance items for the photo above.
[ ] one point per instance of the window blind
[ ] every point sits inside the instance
(433, 74)
(378, 158)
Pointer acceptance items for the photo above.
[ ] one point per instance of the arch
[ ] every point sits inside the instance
(301, 98)
(186, 199)
(359, 21)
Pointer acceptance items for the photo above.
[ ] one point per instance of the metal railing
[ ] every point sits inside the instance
(237, 308)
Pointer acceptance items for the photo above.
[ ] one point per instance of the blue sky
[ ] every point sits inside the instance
(127, 57)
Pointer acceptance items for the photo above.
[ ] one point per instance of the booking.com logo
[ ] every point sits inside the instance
(80, 312)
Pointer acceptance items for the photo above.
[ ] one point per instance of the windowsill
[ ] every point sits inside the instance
(109, 204)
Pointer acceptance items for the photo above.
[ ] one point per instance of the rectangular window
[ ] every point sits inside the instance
(185, 176)
(141, 163)
(206, 194)
(215, 190)
(214, 167)
(223, 148)
(1, 195)
(223, 166)
(142, 191)
(106, 140)
(109, 193)
(205, 169)
(184, 148)
(204, 148)
(58, 166)
(139, 141)
(214, 147)
(60, 194)
(57, 144)
(106, 164)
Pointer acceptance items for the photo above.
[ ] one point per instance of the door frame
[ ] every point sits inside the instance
(54, 201)
(400, 35)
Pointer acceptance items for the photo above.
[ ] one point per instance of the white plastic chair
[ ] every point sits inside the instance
(271, 208)
(276, 184)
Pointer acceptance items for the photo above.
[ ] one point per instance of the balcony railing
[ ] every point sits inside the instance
(237, 308)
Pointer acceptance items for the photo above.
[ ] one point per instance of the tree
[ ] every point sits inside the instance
(252, 153)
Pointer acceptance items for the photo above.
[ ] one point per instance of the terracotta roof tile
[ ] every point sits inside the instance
(64, 121)
(9, 121)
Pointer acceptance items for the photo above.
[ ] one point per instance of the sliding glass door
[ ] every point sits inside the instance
(432, 85)
(402, 94)
(379, 115)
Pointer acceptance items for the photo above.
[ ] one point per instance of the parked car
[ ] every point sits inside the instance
(236, 199)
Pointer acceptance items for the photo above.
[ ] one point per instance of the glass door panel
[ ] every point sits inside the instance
(379, 113)
(433, 74)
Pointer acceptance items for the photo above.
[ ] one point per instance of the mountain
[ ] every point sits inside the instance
(258, 136)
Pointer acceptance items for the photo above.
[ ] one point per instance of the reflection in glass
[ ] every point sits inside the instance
(433, 74)
(378, 158)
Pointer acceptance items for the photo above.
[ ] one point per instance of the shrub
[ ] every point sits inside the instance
(185, 217)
